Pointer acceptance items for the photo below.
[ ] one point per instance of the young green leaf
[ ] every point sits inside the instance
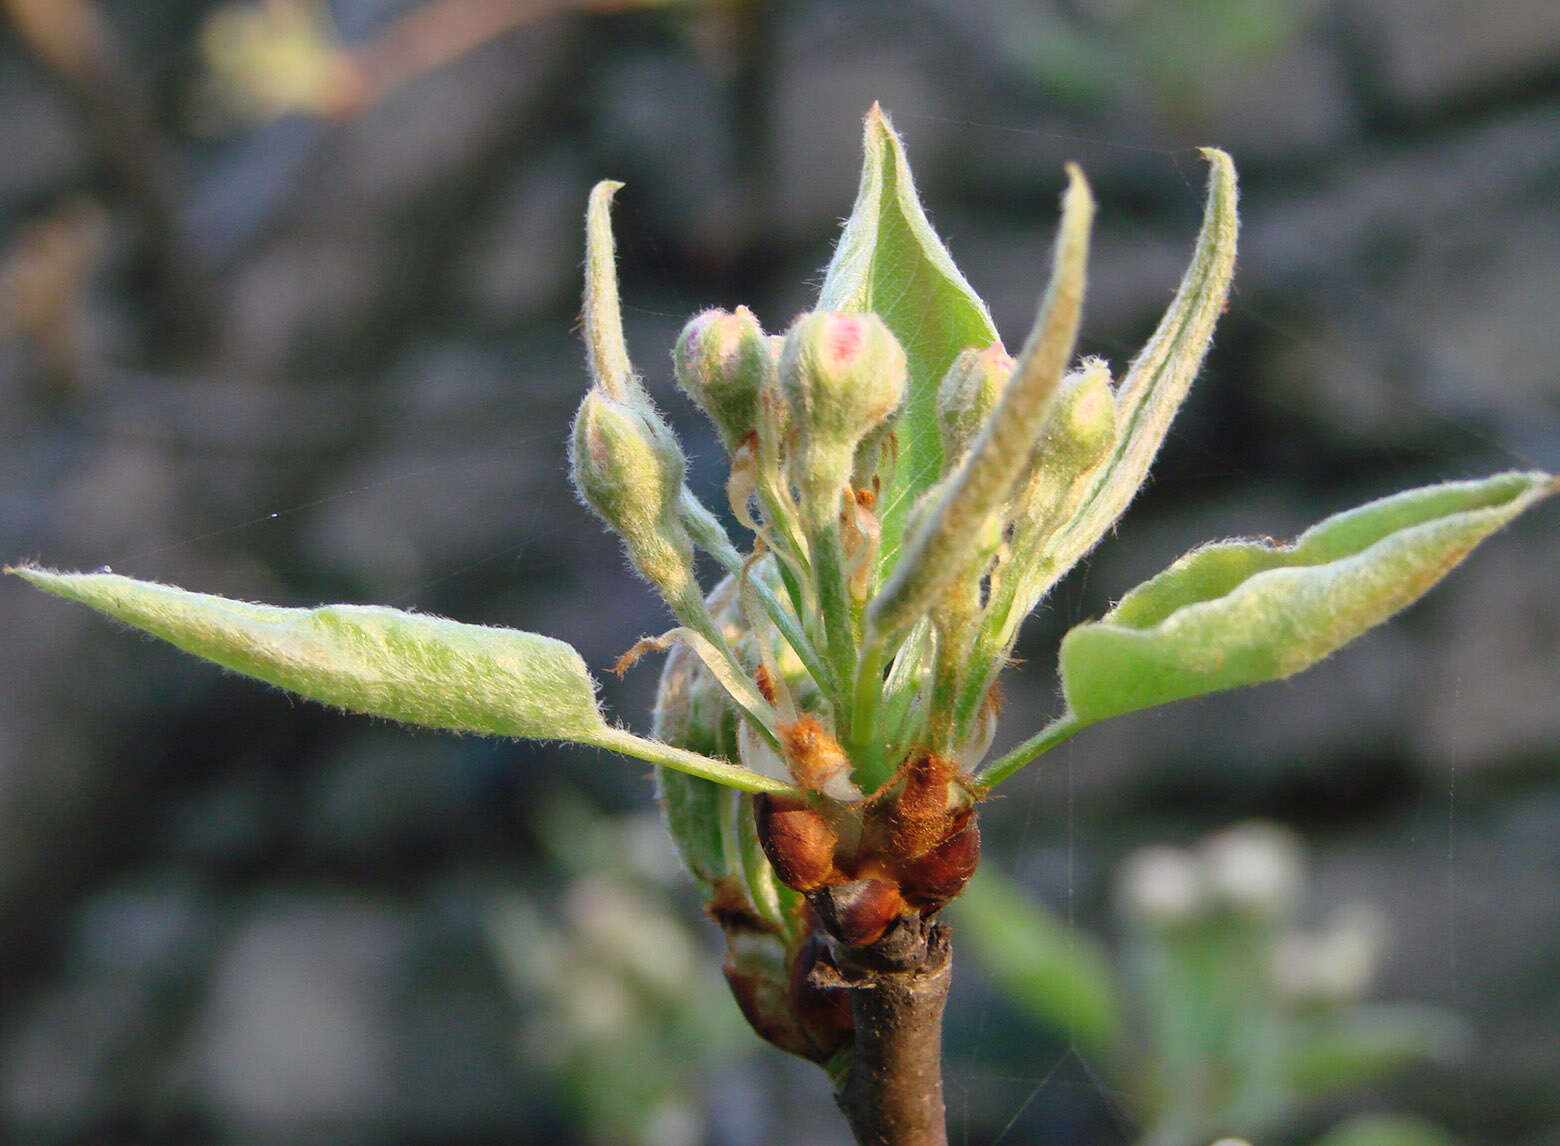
(1157, 381)
(1238, 613)
(1333, 1054)
(890, 262)
(997, 459)
(383, 662)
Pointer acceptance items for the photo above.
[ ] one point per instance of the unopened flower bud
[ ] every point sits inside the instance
(1082, 425)
(628, 467)
(842, 376)
(723, 362)
(1078, 434)
(967, 395)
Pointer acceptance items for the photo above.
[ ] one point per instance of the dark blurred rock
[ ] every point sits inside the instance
(1468, 889)
(522, 256)
(305, 301)
(1286, 104)
(57, 1065)
(428, 137)
(45, 148)
(1427, 270)
(468, 464)
(661, 100)
(831, 64)
(385, 795)
(299, 1033)
(1425, 54)
(1488, 703)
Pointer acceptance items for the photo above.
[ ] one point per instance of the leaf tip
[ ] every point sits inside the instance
(603, 191)
(1078, 198)
(31, 572)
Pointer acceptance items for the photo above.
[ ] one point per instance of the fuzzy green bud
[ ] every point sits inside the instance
(1078, 433)
(842, 376)
(723, 363)
(967, 395)
(628, 467)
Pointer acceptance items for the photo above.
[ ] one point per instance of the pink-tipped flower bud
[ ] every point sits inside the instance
(723, 362)
(842, 376)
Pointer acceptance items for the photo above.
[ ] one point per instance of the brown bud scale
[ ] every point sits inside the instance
(859, 912)
(798, 840)
(812, 754)
(930, 881)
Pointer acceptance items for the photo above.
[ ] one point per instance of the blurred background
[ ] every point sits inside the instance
(288, 298)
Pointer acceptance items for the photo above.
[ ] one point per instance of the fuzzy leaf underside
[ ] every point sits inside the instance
(1238, 613)
(365, 658)
(377, 661)
(890, 262)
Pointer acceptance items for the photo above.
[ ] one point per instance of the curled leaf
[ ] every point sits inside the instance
(1238, 613)
(365, 658)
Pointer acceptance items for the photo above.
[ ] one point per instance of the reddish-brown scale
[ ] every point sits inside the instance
(994, 700)
(766, 1007)
(798, 840)
(916, 820)
(860, 911)
(764, 683)
(866, 498)
(934, 879)
(824, 1012)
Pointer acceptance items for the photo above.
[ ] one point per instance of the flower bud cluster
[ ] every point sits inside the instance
(851, 656)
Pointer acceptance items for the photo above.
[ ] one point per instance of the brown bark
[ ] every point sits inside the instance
(892, 1094)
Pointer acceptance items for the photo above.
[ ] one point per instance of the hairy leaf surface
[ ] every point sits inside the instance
(1237, 613)
(890, 262)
